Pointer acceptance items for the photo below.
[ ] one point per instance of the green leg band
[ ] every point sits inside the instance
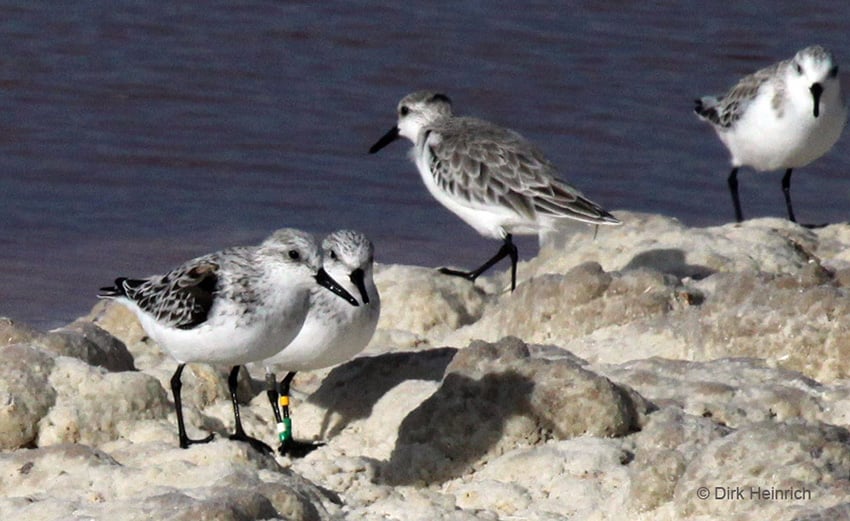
(284, 429)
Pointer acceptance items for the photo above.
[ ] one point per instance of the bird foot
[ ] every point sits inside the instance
(186, 441)
(468, 275)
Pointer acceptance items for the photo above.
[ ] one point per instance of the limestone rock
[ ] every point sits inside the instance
(25, 394)
(495, 397)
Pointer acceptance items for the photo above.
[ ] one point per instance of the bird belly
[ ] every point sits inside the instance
(765, 141)
(323, 343)
(223, 339)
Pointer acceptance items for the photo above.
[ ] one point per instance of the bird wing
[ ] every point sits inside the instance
(483, 164)
(181, 298)
(725, 110)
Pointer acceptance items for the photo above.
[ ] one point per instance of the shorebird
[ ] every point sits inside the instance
(491, 177)
(231, 307)
(781, 117)
(333, 331)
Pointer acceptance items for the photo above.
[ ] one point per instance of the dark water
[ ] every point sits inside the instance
(135, 135)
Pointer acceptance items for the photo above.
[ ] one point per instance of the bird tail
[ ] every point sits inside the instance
(566, 201)
(706, 108)
(587, 211)
(605, 217)
(115, 291)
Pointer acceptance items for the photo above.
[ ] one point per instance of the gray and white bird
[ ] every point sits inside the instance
(231, 307)
(334, 331)
(491, 177)
(781, 117)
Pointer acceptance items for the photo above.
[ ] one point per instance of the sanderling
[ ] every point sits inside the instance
(783, 116)
(230, 307)
(491, 177)
(334, 331)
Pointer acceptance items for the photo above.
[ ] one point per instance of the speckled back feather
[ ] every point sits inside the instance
(181, 298)
(725, 110)
(480, 162)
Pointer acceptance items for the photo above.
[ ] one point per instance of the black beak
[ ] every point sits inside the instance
(388, 138)
(325, 280)
(817, 90)
(357, 278)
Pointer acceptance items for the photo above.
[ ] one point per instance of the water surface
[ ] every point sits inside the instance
(135, 135)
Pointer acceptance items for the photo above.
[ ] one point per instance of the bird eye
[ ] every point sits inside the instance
(799, 69)
(404, 110)
(333, 255)
(833, 72)
(294, 255)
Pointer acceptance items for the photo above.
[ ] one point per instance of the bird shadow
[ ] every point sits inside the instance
(454, 428)
(668, 260)
(369, 378)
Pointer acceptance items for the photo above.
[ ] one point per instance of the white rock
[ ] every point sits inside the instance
(639, 366)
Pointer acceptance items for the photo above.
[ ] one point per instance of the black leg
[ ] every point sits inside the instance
(240, 435)
(284, 429)
(288, 446)
(508, 249)
(733, 189)
(786, 189)
(271, 392)
(176, 385)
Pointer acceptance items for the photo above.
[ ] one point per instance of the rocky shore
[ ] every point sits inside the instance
(654, 372)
